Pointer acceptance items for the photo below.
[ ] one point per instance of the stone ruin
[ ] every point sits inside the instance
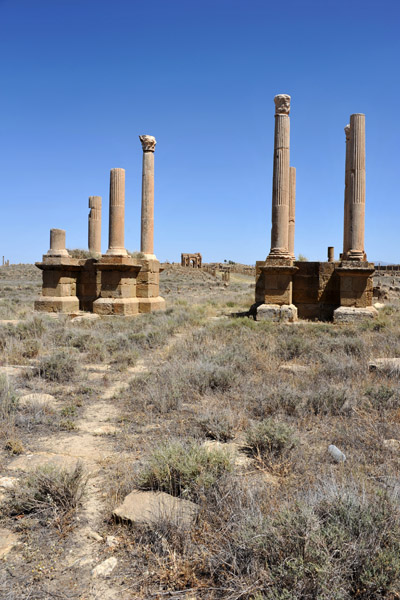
(191, 260)
(113, 283)
(340, 290)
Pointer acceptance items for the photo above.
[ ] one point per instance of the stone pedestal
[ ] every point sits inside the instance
(59, 285)
(88, 284)
(117, 286)
(94, 225)
(316, 290)
(356, 290)
(147, 288)
(274, 289)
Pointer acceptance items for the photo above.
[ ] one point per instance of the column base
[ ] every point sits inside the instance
(149, 305)
(284, 313)
(116, 306)
(350, 314)
(57, 304)
(116, 252)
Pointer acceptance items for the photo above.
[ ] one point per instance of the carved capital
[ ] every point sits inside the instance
(148, 143)
(347, 132)
(282, 104)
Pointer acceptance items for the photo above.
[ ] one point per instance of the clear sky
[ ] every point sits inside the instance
(81, 79)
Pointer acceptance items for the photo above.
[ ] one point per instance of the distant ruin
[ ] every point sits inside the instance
(113, 283)
(340, 290)
(191, 260)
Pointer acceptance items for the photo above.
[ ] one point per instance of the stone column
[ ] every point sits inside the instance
(147, 224)
(94, 230)
(57, 243)
(346, 246)
(292, 209)
(356, 223)
(280, 185)
(331, 254)
(116, 241)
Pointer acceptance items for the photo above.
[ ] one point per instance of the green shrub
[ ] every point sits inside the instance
(186, 470)
(270, 438)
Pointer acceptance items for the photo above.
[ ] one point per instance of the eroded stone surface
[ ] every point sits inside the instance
(152, 507)
(274, 312)
(349, 314)
(105, 568)
(387, 365)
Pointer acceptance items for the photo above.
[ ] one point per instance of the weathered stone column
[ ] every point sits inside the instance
(94, 229)
(356, 223)
(116, 239)
(280, 184)
(292, 209)
(57, 243)
(147, 224)
(331, 254)
(346, 219)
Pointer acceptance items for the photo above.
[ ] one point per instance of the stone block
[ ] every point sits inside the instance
(69, 304)
(350, 314)
(277, 313)
(116, 306)
(149, 305)
(147, 290)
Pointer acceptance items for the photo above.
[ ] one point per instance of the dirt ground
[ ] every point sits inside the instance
(103, 394)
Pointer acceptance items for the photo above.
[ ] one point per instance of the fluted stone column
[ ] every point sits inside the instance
(356, 225)
(346, 242)
(147, 222)
(116, 239)
(57, 243)
(94, 229)
(280, 185)
(292, 209)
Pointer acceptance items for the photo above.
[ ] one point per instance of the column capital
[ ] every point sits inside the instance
(148, 143)
(282, 104)
(347, 132)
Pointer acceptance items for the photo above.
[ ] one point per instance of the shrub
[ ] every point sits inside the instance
(48, 493)
(186, 470)
(270, 438)
(60, 366)
(218, 424)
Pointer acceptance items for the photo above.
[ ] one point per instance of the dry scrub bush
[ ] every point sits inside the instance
(61, 366)
(270, 438)
(335, 542)
(50, 494)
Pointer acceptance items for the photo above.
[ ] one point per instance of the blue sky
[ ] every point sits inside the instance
(81, 79)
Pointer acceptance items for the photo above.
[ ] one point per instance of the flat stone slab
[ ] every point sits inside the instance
(234, 448)
(30, 462)
(85, 317)
(105, 568)
(349, 314)
(8, 540)
(386, 365)
(8, 483)
(153, 507)
(274, 312)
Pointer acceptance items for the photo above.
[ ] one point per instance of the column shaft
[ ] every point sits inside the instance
(57, 243)
(116, 240)
(292, 209)
(94, 225)
(147, 221)
(347, 183)
(280, 184)
(357, 188)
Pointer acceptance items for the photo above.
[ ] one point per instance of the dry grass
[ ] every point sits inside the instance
(278, 520)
